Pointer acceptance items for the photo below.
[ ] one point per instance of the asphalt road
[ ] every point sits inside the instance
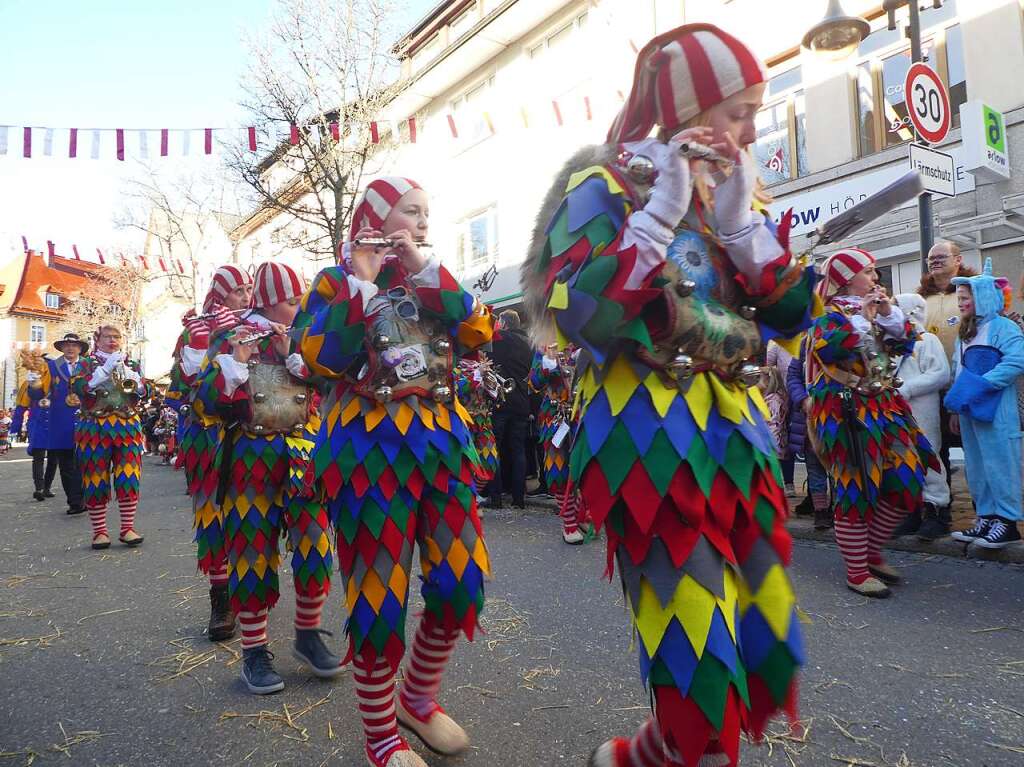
(103, 661)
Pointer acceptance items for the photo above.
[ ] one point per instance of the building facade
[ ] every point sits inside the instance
(504, 92)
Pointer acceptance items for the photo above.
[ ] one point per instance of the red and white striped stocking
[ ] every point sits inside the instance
(570, 507)
(375, 691)
(885, 519)
(98, 519)
(254, 628)
(852, 539)
(431, 650)
(218, 575)
(128, 507)
(308, 610)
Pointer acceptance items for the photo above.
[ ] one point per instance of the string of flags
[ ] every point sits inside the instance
(165, 264)
(28, 141)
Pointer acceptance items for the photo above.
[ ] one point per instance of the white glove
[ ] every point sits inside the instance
(33, 377)
(670, 196)
(733, 196)
(132, 375)
(112, 361)
(547, 363)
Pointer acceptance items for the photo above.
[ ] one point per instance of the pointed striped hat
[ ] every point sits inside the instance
(225, 280)
(380, 197)
(275, 283)
(680, 74)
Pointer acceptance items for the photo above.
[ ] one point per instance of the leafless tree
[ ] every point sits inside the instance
(322, 63)
(108, 296)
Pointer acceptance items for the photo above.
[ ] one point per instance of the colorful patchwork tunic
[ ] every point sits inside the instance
(260, 481)
(673, 455)
(470, 389)
(396, 470)
(555, 409)
(108, 440)
(199, 437)
(869, 442)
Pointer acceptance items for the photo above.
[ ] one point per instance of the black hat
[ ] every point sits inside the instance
(71, 338)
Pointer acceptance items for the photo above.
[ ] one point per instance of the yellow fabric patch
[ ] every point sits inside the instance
(559, 296)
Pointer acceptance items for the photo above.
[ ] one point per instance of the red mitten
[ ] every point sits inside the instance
(198, 330)
(223, 319)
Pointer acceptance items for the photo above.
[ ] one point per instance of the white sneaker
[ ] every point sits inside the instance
(574, 538)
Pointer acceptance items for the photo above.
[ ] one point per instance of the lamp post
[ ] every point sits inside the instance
(838, 35)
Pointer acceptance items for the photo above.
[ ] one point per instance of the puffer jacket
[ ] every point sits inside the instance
(797, 418)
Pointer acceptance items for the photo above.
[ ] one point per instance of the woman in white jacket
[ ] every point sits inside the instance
(925, 375)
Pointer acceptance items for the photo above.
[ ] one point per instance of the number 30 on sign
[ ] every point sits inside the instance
(927, 102)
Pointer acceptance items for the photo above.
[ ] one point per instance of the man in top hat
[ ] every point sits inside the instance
(53, 413)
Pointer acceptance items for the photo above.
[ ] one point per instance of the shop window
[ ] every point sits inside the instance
(478, 239)
(864, 89)
(462, 23)
(780, 148)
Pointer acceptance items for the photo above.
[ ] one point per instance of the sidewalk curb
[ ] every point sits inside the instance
(802, 528)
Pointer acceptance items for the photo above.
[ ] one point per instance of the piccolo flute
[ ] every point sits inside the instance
(211, 315)
(384, 242)
(259, 336)
(701, 152)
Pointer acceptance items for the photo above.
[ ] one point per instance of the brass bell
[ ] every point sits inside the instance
(259, 397)
(381, 341)
(383, 393)
(897, 382)
(681, 366)
(441, 346)
(685, 288)
(441, 393)
(877, 368)
(747, 312)
(640, 169)
(258, 428)
(893, 365)
(300, 398)
(750, 374)
(298, 427)
(102, 393)
(185, 409)
(252, 364)
(875, 387)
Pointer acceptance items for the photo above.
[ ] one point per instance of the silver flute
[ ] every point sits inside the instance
(259, 336)
(700, 152)
(211, 315)
(384, 242)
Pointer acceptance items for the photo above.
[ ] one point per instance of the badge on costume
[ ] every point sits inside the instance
(560, 434)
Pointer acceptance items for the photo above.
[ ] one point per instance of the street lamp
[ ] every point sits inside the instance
(837, 35)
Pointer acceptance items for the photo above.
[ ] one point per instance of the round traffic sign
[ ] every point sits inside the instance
(927, 102)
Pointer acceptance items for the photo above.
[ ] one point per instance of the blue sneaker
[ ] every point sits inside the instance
(310, 649)
(258, 671)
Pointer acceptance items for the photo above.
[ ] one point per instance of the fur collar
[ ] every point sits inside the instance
(928, 287)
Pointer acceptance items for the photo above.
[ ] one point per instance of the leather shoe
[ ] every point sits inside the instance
(439, 732)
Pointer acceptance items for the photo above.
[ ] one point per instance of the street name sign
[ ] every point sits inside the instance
(937, 169)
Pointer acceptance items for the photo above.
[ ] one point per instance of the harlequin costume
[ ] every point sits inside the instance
(109, 439)
(863, 429)
(670, 302)
(553, 379)
(986, 364)
(471, 389)
(268, 407)
(199, 439)
(396, 459)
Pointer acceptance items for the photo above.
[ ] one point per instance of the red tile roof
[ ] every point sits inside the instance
(64, 276)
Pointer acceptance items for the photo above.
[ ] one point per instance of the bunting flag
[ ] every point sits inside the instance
(252, 139)
(293, 139)
(451, 126)
(73, 143)
(119, 134)
(412, 130)
(163, 142)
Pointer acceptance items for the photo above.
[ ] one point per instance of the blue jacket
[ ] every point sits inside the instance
(53, 427)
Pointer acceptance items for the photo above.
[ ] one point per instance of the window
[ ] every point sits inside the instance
(37, 334)
(780, 148)
(478, 240)
(52, 301)
(426, 53)
(558, 38)
(878, 81)
(462, 23)
(470, 113)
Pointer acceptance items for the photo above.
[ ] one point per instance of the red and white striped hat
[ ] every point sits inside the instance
(682, 73)
(225, 279)
(276, 283)
(840, 268)
(380, 197)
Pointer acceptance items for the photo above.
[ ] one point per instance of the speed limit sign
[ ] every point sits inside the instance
(927, 102)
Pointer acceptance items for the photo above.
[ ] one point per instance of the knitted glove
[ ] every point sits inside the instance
(670, 196)
(733, 196)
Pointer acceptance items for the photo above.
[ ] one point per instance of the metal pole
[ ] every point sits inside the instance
(924, 202)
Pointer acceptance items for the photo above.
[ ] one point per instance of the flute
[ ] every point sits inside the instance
(259, 336)
(701, 152)
(384, 242)
(211, 315)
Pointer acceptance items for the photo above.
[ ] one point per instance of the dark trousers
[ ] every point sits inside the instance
(510, 435)
(70, 476)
